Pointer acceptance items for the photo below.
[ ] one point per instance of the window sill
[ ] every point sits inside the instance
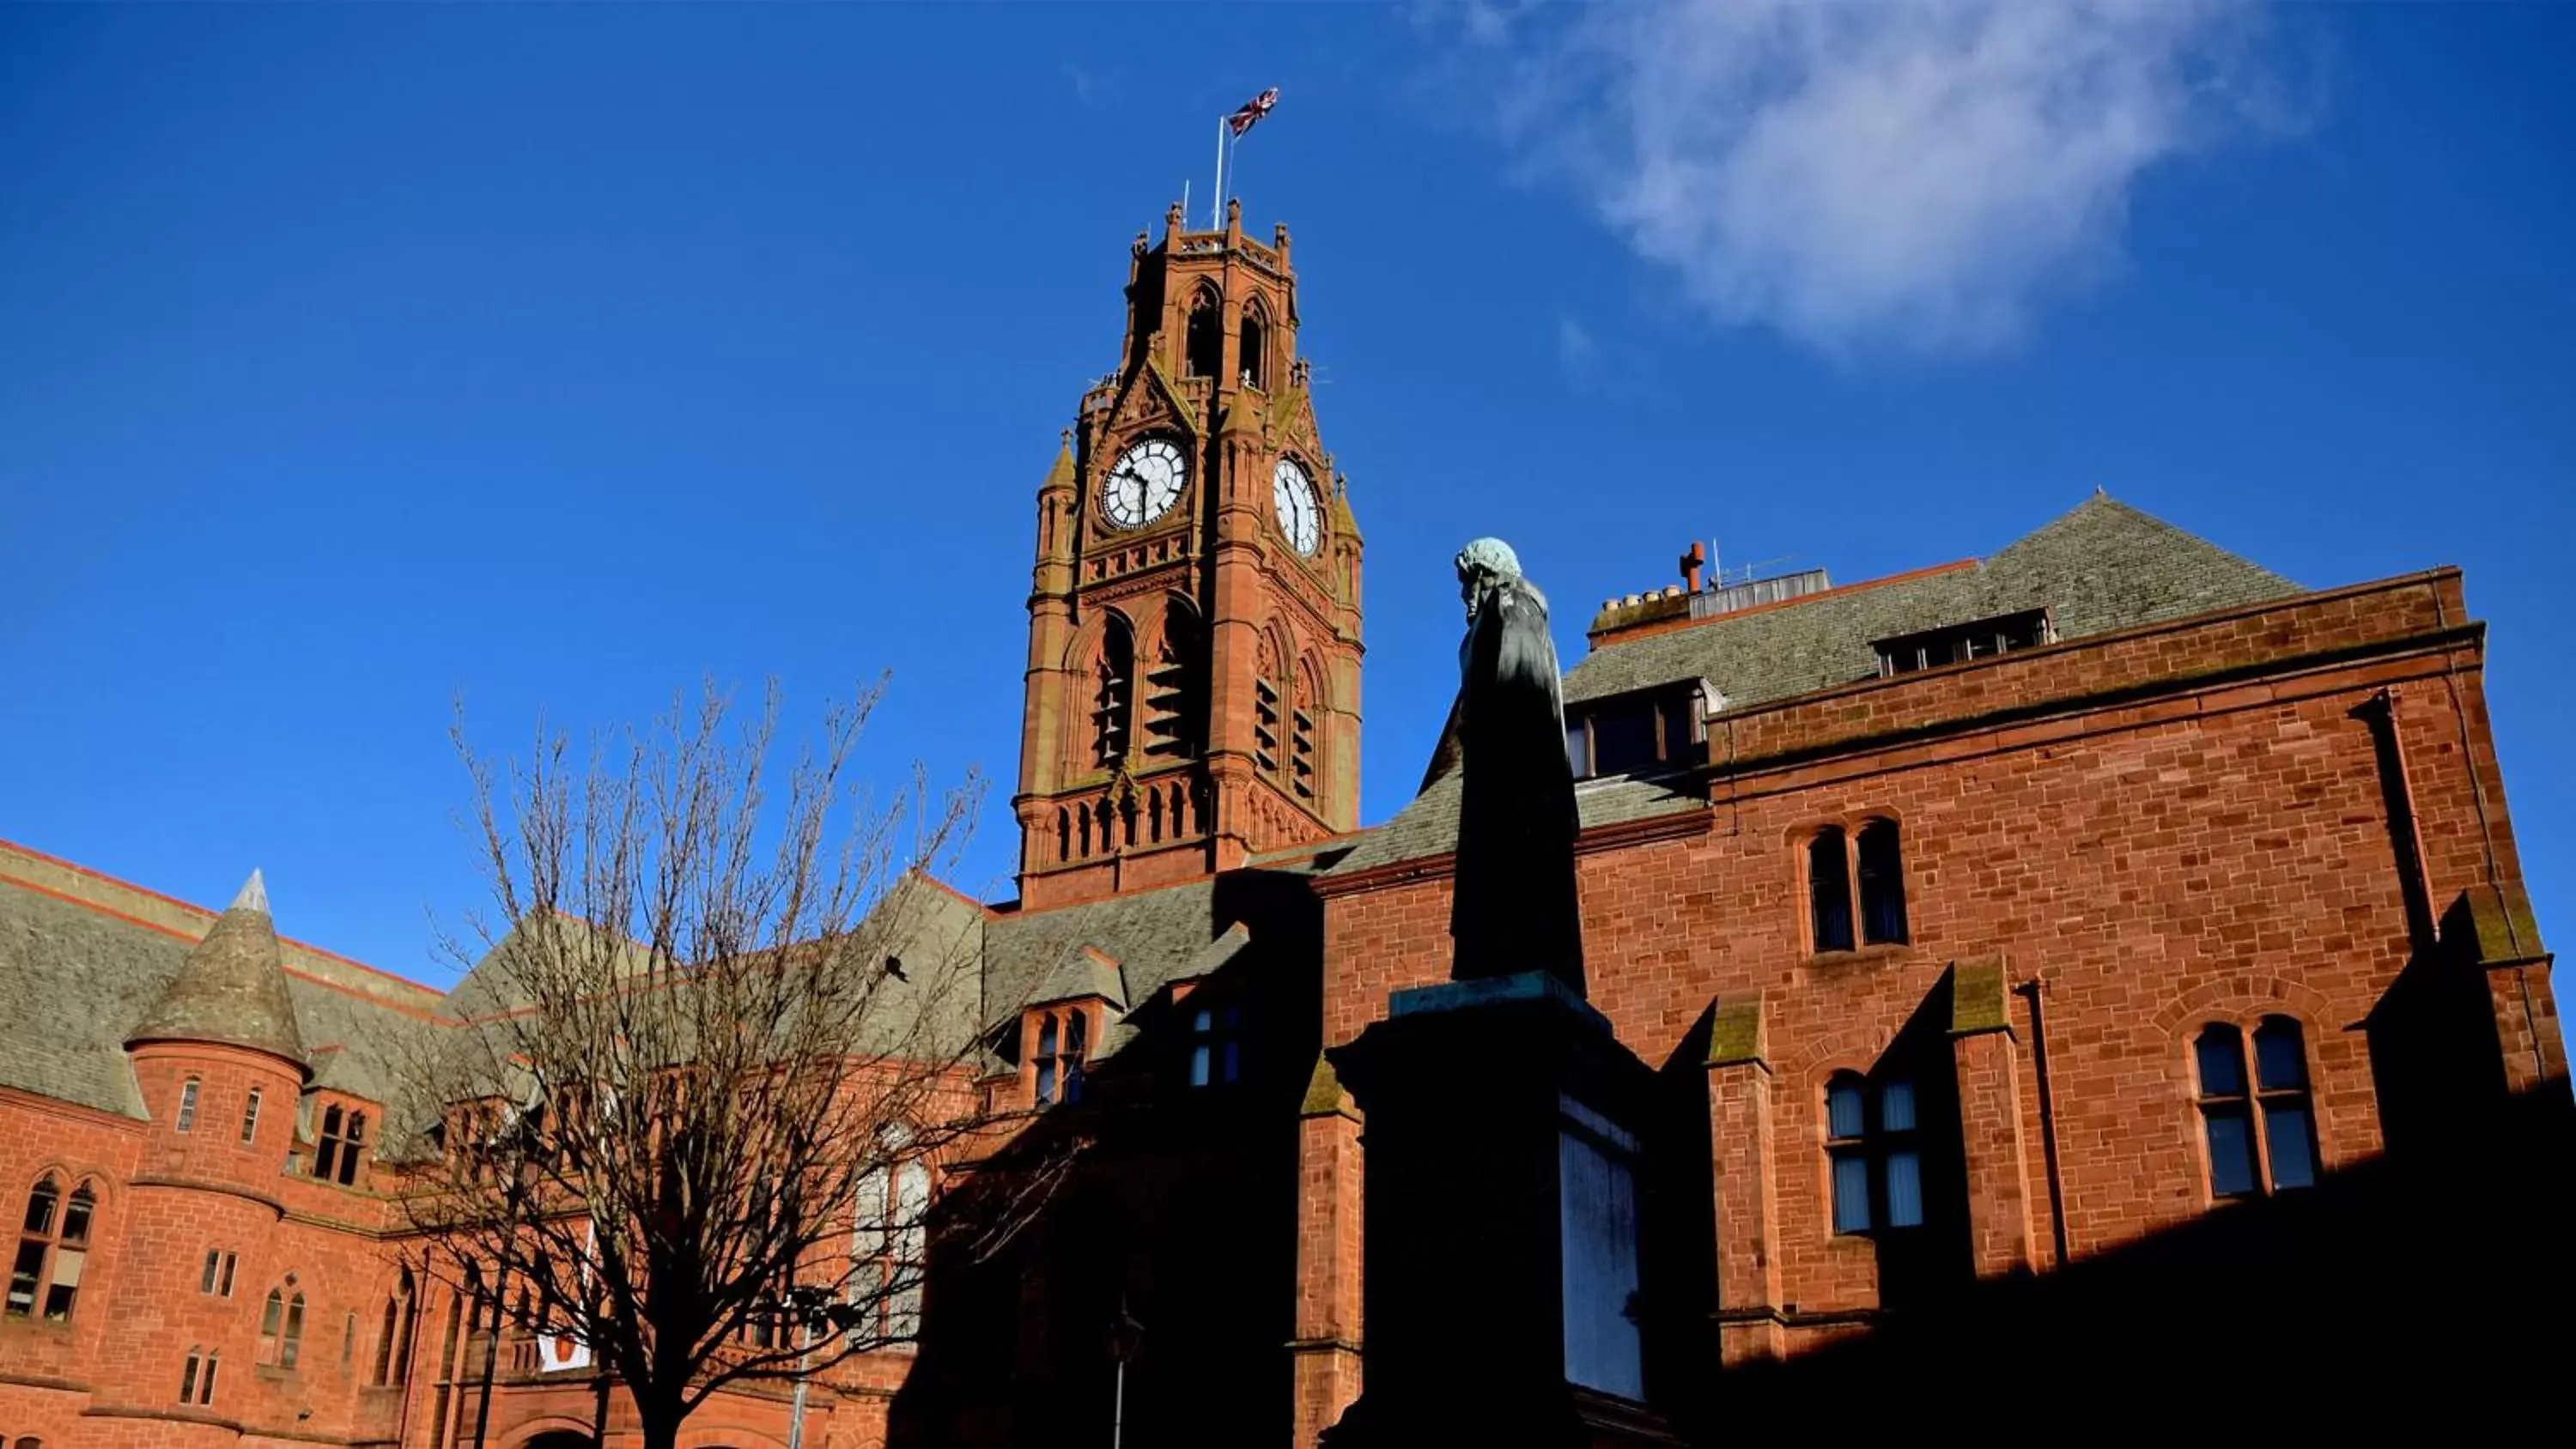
(1858, 957)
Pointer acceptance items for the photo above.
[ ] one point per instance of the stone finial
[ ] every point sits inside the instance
(253, 896)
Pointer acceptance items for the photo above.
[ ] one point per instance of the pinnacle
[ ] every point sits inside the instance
(253, 895)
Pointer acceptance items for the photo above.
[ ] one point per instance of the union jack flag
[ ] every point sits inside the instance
(1252, 111)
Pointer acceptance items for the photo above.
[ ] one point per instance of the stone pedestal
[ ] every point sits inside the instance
(1502, 1221)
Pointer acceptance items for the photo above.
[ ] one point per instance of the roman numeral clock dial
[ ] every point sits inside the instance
(1292, 496)
(1144, 485)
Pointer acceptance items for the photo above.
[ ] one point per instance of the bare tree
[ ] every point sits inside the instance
(707, 1061)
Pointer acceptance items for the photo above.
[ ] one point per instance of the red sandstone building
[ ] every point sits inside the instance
(2063, 969)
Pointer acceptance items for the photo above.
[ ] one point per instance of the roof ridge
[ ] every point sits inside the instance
(75, 867)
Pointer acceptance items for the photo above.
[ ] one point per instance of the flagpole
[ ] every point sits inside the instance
(1216, 208)
(1231, 138)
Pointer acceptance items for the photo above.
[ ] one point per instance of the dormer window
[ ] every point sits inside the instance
(1063, 1046)
(1962, 642)
(1635, 734)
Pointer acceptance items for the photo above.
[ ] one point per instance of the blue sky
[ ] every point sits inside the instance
(354, 359)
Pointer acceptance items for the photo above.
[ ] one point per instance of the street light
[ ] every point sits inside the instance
(1124, 1338)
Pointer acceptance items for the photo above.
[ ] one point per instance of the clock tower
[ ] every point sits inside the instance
(1194, 615)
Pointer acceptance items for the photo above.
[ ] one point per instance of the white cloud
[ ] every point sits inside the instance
(1913, 177)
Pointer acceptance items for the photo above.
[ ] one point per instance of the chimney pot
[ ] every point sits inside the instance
(1692, 563)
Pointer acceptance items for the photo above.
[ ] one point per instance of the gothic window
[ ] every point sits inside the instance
(1255, 352)
(196, 1379)
(2266, 1135)
(1113, 676)
(1301, 739)
(1873, 1140)
(1176, 690)
(1063, 834)
(1216, 1045)
(281, 1326)
(1206, 353)
(393, 1343)
(1266, 657)
(1882, 884)
(1062, 1051)
(53, 1248)
(1265, 724)
(890, 1251)
(187, 1106)
(1829, 891)
(250, 1117)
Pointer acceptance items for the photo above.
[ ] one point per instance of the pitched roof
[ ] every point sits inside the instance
(86, 961)
(1155, 938)
(2102, 567)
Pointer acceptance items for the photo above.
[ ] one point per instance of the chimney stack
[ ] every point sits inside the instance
(1691, 564)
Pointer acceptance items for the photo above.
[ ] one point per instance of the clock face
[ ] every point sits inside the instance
(1292, 493)
(1145, 484)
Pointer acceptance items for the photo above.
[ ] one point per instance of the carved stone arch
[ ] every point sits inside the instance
(1174, 671)
(1306, 701)
(1257, 340)
(1203, 333)
(1101, 664)
(1273, 653)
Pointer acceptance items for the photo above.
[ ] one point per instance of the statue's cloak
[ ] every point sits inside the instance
(1515, 908)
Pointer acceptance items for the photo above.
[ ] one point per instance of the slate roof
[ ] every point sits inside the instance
(1156, 937)
(78, 980)
(231, 987)
(2102, 567)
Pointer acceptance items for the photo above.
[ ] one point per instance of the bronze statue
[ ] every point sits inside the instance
(1515, 907)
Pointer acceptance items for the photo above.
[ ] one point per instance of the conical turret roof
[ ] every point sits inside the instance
(232, 987)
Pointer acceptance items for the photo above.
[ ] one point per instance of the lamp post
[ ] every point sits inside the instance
(1124, 1338)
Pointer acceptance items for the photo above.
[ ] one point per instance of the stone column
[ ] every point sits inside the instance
(1326, 1350)
(1749, 1316)
(1995, 1162)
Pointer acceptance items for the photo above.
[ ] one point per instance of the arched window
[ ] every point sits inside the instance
(1829, 891)
(1114, 678)
(1301, 737)
(1176, 690)
(1206, 351)
(1255, 351)
(187, 1106)
(2263, 1139)
(1882, 885)
(272, 1317)
(250, 1118)
(393, 1344)
(1266, 666)
(53, 1249)
(1063, 834)
(889, 1247)
(1873, 1139)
